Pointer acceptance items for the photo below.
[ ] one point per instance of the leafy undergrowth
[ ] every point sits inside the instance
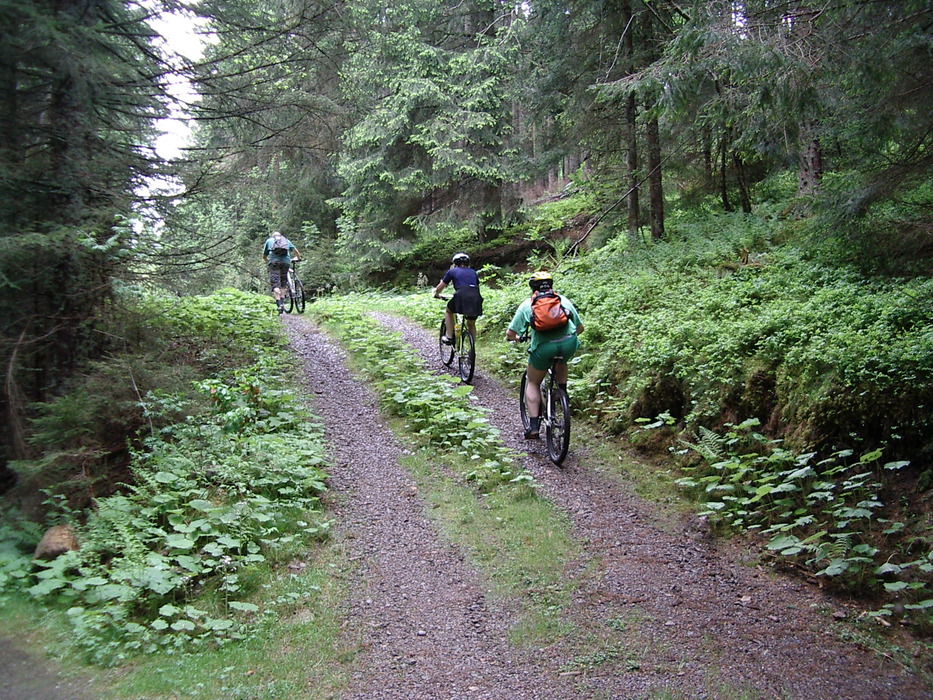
(830, 516)
(174, 559)
(437, 409)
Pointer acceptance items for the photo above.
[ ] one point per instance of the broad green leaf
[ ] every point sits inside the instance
(836, 567)
(783, 542)
(179, 542)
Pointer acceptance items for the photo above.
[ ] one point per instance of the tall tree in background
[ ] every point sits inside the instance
(589, 48)
(80, 88)
(775, 81)
(427, 83)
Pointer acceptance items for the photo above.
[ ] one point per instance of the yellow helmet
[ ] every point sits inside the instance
(541, 280)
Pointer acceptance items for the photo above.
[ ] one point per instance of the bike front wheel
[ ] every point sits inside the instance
(557, 431)
(522, 406)
(299, 296)
(467, 356)
(446, 351)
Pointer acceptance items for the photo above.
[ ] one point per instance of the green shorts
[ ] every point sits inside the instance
(540, 357)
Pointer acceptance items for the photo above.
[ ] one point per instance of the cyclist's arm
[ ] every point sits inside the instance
(439, 288)
(520, 322)
(296, 253)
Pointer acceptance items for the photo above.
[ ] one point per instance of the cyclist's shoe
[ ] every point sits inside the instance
(534, 426)
(446, 340)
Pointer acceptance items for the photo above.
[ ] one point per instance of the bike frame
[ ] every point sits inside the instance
(464, 347)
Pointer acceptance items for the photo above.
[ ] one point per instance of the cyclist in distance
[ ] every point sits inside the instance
(277, 252)
(466, 299)
(544, 345)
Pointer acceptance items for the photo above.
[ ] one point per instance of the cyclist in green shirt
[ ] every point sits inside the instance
(544, 346)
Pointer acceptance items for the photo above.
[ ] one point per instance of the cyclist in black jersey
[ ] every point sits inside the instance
(467, 299)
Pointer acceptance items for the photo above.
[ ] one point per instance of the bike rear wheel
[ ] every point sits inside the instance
(557, 431)
(289, 297)
(466, 355)
(446, 351)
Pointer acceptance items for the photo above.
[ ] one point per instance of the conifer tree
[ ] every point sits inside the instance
(80, 87)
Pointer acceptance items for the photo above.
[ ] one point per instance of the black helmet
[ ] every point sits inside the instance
(541, 280)
(460, 259)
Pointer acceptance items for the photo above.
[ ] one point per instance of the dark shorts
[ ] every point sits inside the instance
(278, 274)
(467, 301)
(541, 358)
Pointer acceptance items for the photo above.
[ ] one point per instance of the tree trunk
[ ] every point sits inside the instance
(723, 179)
(744, 197)
(811, 168)
(631, 132)
(634, 213)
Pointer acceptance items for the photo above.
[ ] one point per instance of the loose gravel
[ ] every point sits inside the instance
(685, 615)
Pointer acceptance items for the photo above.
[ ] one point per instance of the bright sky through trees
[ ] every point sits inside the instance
(184, 39)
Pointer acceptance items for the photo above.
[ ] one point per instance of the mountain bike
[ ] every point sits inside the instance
(463, 345)
(294, 290)
(555, 412)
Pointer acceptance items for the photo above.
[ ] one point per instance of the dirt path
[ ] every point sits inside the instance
(688, 616)
(24, 676)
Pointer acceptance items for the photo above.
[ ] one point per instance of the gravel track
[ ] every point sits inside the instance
(698, 621)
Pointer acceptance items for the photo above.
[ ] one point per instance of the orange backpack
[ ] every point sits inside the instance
(547, 314)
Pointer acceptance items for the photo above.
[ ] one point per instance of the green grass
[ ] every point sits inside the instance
(43, 633)
(297, 651)
(518, 541)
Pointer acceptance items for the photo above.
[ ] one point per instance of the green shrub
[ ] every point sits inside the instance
(221, 482)
(829, 515)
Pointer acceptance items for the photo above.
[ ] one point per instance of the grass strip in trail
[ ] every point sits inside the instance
(481, 503)
(436, 408)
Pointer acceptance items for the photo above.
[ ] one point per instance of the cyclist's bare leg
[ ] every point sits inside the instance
(449, 323)
(471, 325)
(560, 373)
(533, 390)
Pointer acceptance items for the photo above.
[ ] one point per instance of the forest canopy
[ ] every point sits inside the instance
(380, 137)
